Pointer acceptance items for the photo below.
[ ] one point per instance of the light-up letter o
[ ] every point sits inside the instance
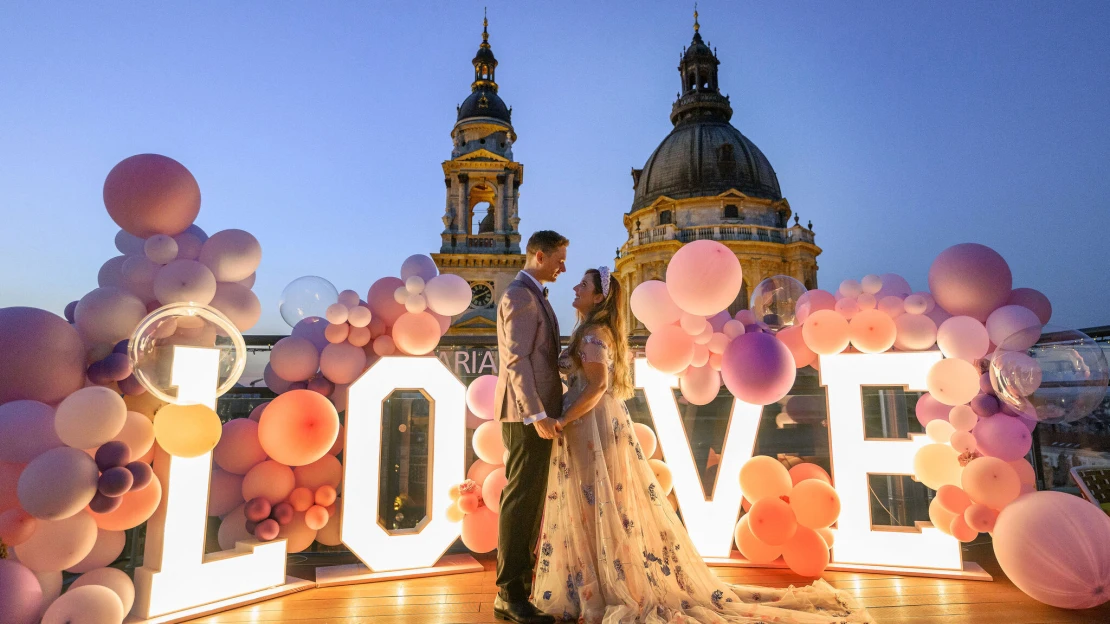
(380, 550)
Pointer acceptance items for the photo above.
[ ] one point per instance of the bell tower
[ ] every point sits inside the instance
(480, 238)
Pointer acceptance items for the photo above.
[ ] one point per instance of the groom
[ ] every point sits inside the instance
(529, 398)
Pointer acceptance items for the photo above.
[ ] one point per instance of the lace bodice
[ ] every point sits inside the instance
(592, 349)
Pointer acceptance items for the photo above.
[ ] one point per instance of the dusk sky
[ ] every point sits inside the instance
(897, 128)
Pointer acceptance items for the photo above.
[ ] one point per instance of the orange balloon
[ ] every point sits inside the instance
(337, 448)
(269, 480)
(772, 521)
(454, 514)
(239, 449)
(764, 477)
(991, 481)
(940, 517)
(187, 430)
(827, 535)
(479, 530)
(662, 475)
(953, 498)
(298, 427)
(980, 517)
(815, 504)
(751, 547)
(150, 194)
(479, 470)
(961, 531)
(324, 471)
(325, 496)
(137, 508)
(301, 499)
(826, 332)
(804, 471)
(872, 331)
(297, 534)
(416, 333)
(316, 517)
(329, 535)
(793, 339)
(806, 553)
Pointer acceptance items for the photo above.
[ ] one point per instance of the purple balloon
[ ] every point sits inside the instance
(928, 409)
(267, 530)
(131, 386)
(20, 594)
(112, 454)
(115, 482)
(970, 279)
(70, 311)
(43, 356)
(98, 374)
(758, 368)
(121, 346)
(102, 504)
(257, 509)
(117, 366)
(298, 385)
(283, 513)
(250, 526)
(1002, 436)
(985, 405)
(26, 431)
(142, 473)
(985, 384)
(718, 320)
(312, 328)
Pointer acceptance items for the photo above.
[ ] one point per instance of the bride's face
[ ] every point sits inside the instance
(586, 297)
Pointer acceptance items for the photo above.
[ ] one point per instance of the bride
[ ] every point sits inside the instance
(612, 550)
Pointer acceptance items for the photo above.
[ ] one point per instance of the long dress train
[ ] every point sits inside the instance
(613, 551)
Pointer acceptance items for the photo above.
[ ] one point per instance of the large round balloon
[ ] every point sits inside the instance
(20, 594)
(480, 396)
(58, 544)
(112, 578)
(342, 363)
(652, 305)
(90, 417)
(294, 358)
(416, 334)
(298, 427)
(916, 332)
(872, 331)
(775, 299)
(231, 255)
(758, 368)
(150, 194)
(296, 533)
(479, 530)
(1055, 547)
(815, 503)
(239, 449)
(306, 297)
(238, 304)
(26, 431)
(952, 381)
(185, 281)
(187, 430)
(937, 465)
(1062, 378)
(970, 279)
(1034, 300)
(108, 315)
(700, 385)
(764, 477)
(270, 480)
(419, 265)
(382, 303)
(812, 301)
(1003, 436)
(447, 294)
(772, 521)
(108, 547)
(58, 483)
(806, 554)
(826, 332)
(492, 488)
(44, 357)
(753, 549)
(704, 277)
(669, 349)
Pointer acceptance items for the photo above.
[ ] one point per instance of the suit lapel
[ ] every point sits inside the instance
(552, 321)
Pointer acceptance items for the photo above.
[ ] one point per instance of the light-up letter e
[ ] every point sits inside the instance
(176, 574)
(379, 549)
(854, 457)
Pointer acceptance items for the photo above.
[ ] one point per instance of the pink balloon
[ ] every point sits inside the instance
(294, 359)
(238, 304)
(58, 544)
(1034, 300)
(893, 285)
(480, 396)
(669, 349)
(274, 382)
(298, 427)
(184, 281)
(826, 332)
(44, 357)
(231, 255)
(416, 334)
(239, 449)
(233, 529)
(980, 518)
(20, 594)
(847, 307)
(704, 277)
(758, 369)
(1054, 547)
(891, 306)
(108, 315)
(342, 363)
(137, 434)
(225, 492)
(381, 301)
(916, 332)
(806, 554)
(970, 279)
(487, 442)
(812, 301)
(794, 340)
(991, 482)
(150, 194)
(805, 471)
(107, 548)
(26, 431)
(479, 470)
(718, 320)
(953, 498)
(700, 385)
(420, 266)
(16, 526)
(269, 480)
(963, 337)
(961, 531)
(447, 295)
(492, 487)
(479, 530)
(1003, 436)
(311, 328)
(1013, 327)
(58, 484)
(326, 471)
(871, 331)
(928, 409)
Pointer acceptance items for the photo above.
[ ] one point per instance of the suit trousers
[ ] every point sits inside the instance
(522, 503)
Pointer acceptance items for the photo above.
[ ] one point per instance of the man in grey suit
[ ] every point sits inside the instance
(529, 399)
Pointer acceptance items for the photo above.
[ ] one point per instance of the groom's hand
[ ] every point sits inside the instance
(548, 428)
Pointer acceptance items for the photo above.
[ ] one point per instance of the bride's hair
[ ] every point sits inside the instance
(609, 315)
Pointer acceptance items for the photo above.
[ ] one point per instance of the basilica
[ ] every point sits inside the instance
(706, 180)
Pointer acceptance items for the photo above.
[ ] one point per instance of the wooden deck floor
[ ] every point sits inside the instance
(468, 598)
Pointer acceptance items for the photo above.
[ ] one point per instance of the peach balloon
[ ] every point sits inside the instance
(186, 281)
(359, 336)
(867, 301)
(299, 427)
(962, 418)
(961, 531)
(297, 533)
(764, 477)
(294, 358)
(108, 315)
(58, 544)
(804, 471)
(137, 434)
(772, 521)
(827, 535)
(150, 194)
(940, 517)
(330, 534)
(337, 332)
(812, 301)
(239, 449)
(479, 530)
(1024, 471)
(269, 480)
(936, 465)
(492, 488)
(952, 381)
(233, 529)
(662, 475)
(794, 340)
(111, 578)
(224, 493)
(963, 442)
(316, 517)
(700, 385)
(871, 331)
(107, 548)
(16, 526)
(991, 481)
(324, 471)
(815, 503)
(847, 307)
(751, 547)
(187, 430)
(963, 337)
(916, 332)
(479, 470)
(416, 334)
(469, 503)
(91, 603)
(980, 518)
(806, 553)
(342, 363)
(652, 305)
(692, 324)
(231, 255)
(454, 514)
(670, 350)
(238, 304)
(325, 496)
(138, 506)
(704, 277)
(90, 417)
(953, 498)
(337, 448)
(826, 332)
(891, 306)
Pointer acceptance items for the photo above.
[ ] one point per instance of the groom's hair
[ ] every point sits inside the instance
(546, 241)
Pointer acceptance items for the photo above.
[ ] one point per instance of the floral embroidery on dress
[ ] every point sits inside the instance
(588, 492)
(619, 568)
(716, 598)
(547, 549)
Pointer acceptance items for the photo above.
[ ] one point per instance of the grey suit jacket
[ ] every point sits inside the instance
(528, 348)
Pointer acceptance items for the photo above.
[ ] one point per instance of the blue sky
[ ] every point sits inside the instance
(898, 128)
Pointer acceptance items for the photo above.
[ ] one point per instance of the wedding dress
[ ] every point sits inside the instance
(613, 551)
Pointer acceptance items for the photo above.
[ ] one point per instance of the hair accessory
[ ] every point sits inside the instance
(604, 271)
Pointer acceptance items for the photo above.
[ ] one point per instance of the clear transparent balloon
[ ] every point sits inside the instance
(1060, 379)
(306, 296)
(153, 344)
(774, 300)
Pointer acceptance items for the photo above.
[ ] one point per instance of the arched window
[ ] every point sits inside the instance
(482, 218)
(732, 212)
(666, 217)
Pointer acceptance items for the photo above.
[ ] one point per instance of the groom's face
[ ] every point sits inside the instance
(552, 264)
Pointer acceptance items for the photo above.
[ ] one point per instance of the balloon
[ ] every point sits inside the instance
(298, 427)
(26, 431)
(142, 474)
(420, 266)
(479, 470)
(294, 358)
(806, 471)
(963, 442)
(337, 333)
(184, 281)
(91, 604)
(1014, 327)
(991, 481)
(187, 430)
(750, 546)
(774, 300)
(806, 554)
(847, 307)
(233, 529)
(764, 477)
(469, 503)
(487, 442)
(953, 498)
(669, 349)
(916, 332)
(231, 255)
(225, 492)
(704, 277)
(929, 409)
(662, 475)
(805, 409)
(970, 279)
(325, 496)
(239, 449)
(150, 194)
(20, 594)
(258, 509)
(980, 518)
(108, 547)
(479, 530)
(646, 438)
(342, 363)
(113, 454)
(700, 385)
(815, 503)
(312, 329)
(297, 534)
(1003, 436)
(16, 526)
(1054, 547)
(1033, 300)
(385, 307)
(57, 484)
(113, 579)
(692, 324)
(189, 242)
(953, 381)
(305, 297)
(336, 313)
(416, 334)
(939, 430)
(963, 337)
(115, 482)
(137, 507)
(492, 488)
(160, 248)
(812, 301)
(985, 405)
(238, 304)
(936, 465)
(108, 315)
(891, 306)
(316, 517)
(961, 531)
(826, 332)
(871, 331)
(758, 369)
(329, 535)
(58, 544)
(270, 481)
(827, 535)
(793, 339)
(940, 517)
(480, 396)
(326, 471)
(1062, 378)
(44, 357)
(90, 417)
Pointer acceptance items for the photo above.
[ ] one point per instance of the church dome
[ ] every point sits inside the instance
(484, 103)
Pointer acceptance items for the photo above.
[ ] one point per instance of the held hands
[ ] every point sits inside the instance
(549, 428)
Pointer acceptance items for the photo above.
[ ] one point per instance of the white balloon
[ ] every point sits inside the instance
(113, 579)
(91, 604)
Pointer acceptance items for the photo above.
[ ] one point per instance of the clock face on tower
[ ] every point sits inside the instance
(481, 295)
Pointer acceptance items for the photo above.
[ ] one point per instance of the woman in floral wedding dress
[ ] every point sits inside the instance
(612, 550)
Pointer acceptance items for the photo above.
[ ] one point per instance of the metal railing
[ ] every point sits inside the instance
(759, 233)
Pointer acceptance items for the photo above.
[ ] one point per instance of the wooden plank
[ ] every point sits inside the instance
(355, 573)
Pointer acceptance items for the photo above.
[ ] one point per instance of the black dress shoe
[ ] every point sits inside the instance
(521, 612)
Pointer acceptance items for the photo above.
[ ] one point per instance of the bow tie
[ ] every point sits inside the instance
(545, 292)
